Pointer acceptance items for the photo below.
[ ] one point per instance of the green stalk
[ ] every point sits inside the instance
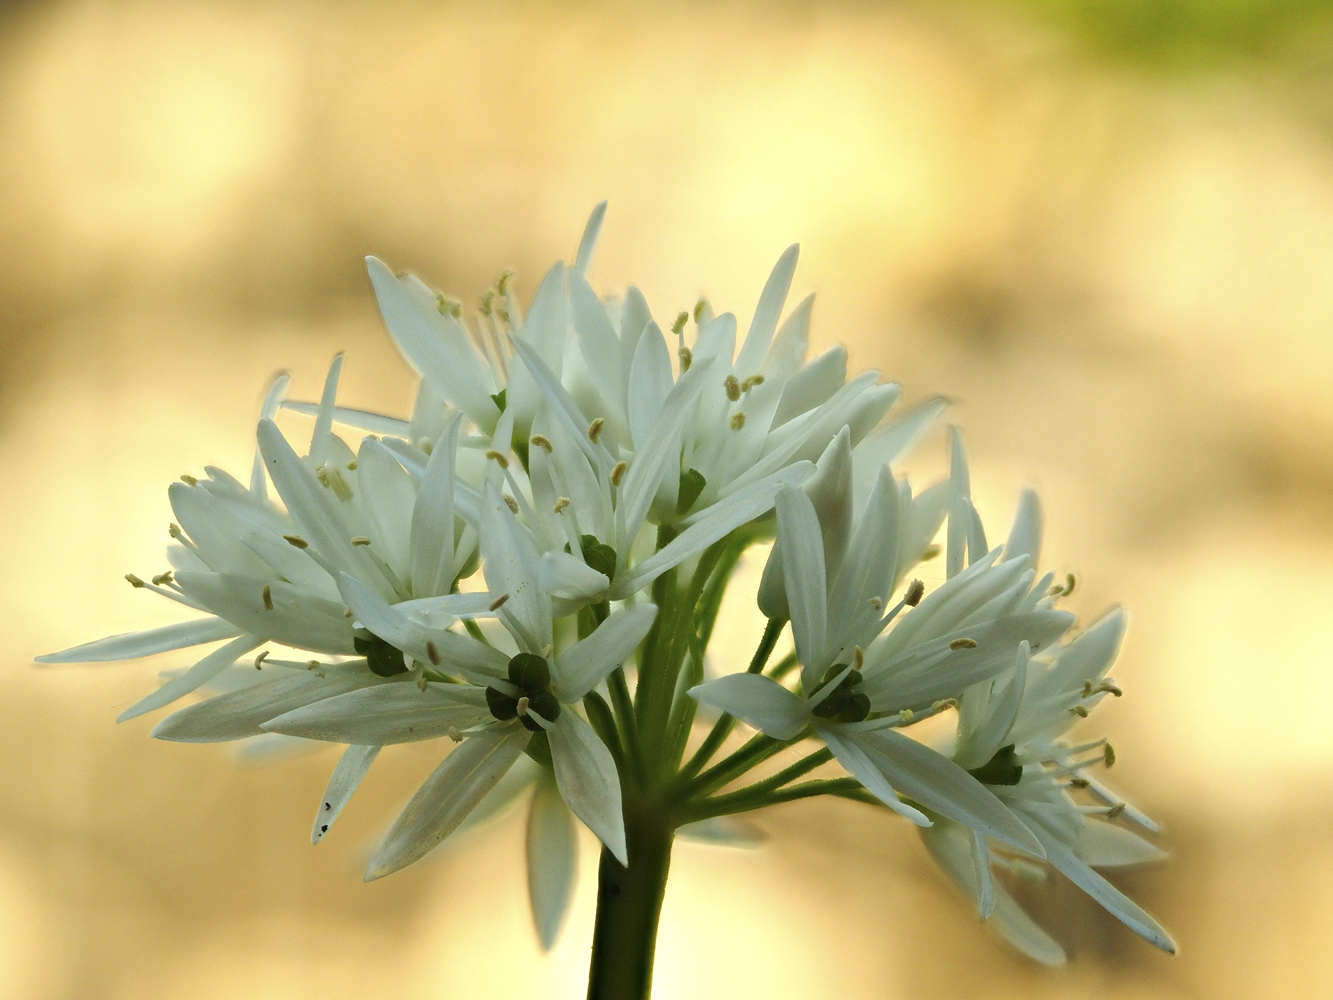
(743, 799)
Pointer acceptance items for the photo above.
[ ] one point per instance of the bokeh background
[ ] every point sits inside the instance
(1105, 229)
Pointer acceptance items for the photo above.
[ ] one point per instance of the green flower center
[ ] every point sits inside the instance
(384, 659)
(1002, 769)
(531, 674)
(843, 704)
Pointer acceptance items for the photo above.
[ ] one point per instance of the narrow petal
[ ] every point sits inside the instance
(586, 774)
(724, 831)
(859, 765)
(980, 744)
(131, 645)
(588, 242)
(582, 666)
(343, 783)
(1112, 899)
(197, 676)
(513, 566)
(387, 713)
(888, 444)
(803, 569)
(767, 313)
(1021, 931)
(362, 420)
(1025, 536)
(287, 615)
(1105, 845)
(758, 701)
(320, 441)
(432, 528)
(553, 860)
(447, 796)
(269, 410)
(650, 382)
(566, 575)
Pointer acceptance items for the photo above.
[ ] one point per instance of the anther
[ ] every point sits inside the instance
(511, 503)
(560, 504)
(1110, 687)
(1088, 689)
(498, 457)
(523, 705)
(686, 359)
(189, 480)
(595, 429)
(134, 581)
(297, 540)
(699, 310)
(737, 421)
(858, 657)
(453, 734)
(351, 466)
(360, 540)
(498, 603)
(432, 652)
(421, 683)
(162, 578)
(931, 551)
(502, 285)
(259, 660)
(618, 473)
(313, 665)
(486, 303)
(876, 603)
(751, 382)
(963, 644)
(1115, 811)
(733, 388)
(907, 715)
(1109, 757)
(1079, 782)
(268, 598)
(679, 325)
(347, 612)
(1080, 711)
(174, 530)
(1069, 583)
(542, 442)
(915, 591)
(448, 306)
(547, 651)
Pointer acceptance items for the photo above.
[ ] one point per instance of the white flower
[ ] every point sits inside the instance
(1010, 735)
(838, 571)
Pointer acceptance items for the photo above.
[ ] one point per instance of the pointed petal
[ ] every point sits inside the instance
(859, 765)
(1021, 931)
(1112, 899)
(888, 444)
(724, 831)
(1105, 845)
(343, 783)
(290, 616)
(588, 242)
(565, 575)
(767, 313)
(197, 676)
(553, 860)
(269, 410)
(803, 569)
(1025, 536)
(432, 530)
(447, 796)
(582, 666)
(513, 566)
(589, 784)
(979, 745)
(131, 645)
(758, 701)
(387, 713)
(650, 382)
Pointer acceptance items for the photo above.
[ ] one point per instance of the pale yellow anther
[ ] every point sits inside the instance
(174, 530)
(858, 657)
(421, 683)
(560, 504)
(360, 540)
(699, 309)
(448, 306)
(963, 644)
(595, 429)
(876, 603)
(915, 591)
(351, 466)
(542, 442)
(432, 652)
(1079, 782)
(751, 382)
(347, 612)
(296, 540)
(1069, 583)
(502, 285)
(1115, 811)
(259, 660)
(1080, 711)
(511, 503)
(267, 596)
(548, 650)
(733, 388)
(686, 359)
(134, 581)
(931, 551)
(907, 715)
(313, 665)
(1108, 758)
(453, 733)
(737, 421)
(1110, 687)
(189, 480)
(679, 325)
(498, 603)
(1088, 689)
(487, 302)
(496, 456)
(618, 473)
(162, 578)
(523, 705)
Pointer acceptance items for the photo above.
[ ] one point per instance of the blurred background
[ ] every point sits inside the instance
(1105, 229)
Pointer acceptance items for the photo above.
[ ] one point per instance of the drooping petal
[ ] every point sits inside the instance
(445, 798)
(131, 645)
(1021, 931)
(553, 860)
(586, 774)
(194, 678)
(343, 783)
(582, 666)
(387, 713)
(757, 701)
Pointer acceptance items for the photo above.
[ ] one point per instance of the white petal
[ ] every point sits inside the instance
(813, 385)
(588, 242)
(566, 575)
(891, 442)
(238, 714)
(586, 774)
(130, 645)
(767, 313)
(362, 420)
(432, 529)
(269, 410)
(942, 786)
(871, 557)
(387, 713)
(1025, 536)
(986, 882)
(803, 569)
(447, 796)
(757, 701)
(513, 566)
(649, 384)
(787, 352)
(1105, 845)
(1021, 931)
(387, 494)
(343, 783)
(295, 618)
(597, 341)
(723, 831)
(197, 676)
(1112, 899)
(582, 666)
(978, 744)
(859, 765)
(553, 860)
(321, 440)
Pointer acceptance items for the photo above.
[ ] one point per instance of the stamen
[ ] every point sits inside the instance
(560, 504)
(502, 285)
(268, 598)
(360, 540)
(1109, 758)
(421, 683)
(453, 734)
(189, 480)
(351, 466)
(751, 382)
(686, 358)
(699, 309)
(1115, 811)
(347, 612)
(498, 457)
(737, 421)
(1079, 710)
(542, 442)
(162, 578)
(448, 306)
(1069, 583)
(1110, 687)
(498, 603)
(678, 326)
(259, 660)
(432, 652)
(733, 388)
(1079, 782)
(858, 657)
(313, 665)
(963, 644)
(595, 429)
(134, 581)
(523, 705)
(618, 473)
(907, 715)
(297, 540)
(915, 591)
(876, 602)
(486, 303)
(511, 503)
(174, 530)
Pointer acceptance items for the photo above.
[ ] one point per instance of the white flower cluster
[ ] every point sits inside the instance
(603, 485)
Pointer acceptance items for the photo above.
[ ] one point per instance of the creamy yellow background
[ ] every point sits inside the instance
(1116, 256)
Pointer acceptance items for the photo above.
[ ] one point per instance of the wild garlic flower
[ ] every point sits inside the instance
(1011, 736)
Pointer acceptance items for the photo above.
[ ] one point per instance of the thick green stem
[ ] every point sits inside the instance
(629, 903)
